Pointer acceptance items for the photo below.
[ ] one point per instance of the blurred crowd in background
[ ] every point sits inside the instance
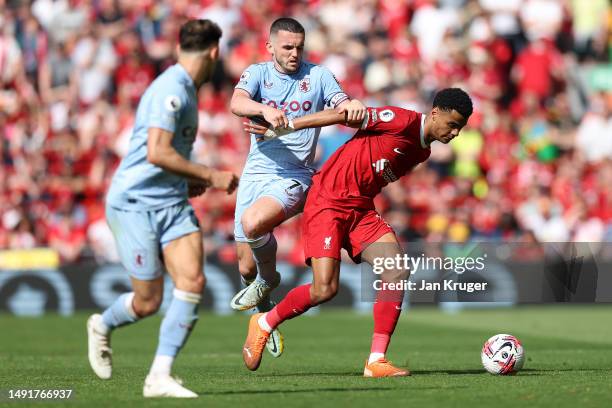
(533, 164)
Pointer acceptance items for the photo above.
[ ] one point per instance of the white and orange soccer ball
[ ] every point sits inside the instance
(502, 354)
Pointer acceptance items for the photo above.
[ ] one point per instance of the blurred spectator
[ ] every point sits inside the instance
(541, 19)
(56, 79)
(535, 69)
(588, 25)
(544, 217)
(430, 25)
(594, 135)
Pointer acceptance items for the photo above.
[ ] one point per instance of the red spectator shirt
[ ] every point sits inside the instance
(389, 144)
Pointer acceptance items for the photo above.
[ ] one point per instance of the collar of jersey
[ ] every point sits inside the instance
(183, 73)
(282, 75)
(422, 132)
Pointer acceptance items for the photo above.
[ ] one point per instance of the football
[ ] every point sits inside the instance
(502, 354)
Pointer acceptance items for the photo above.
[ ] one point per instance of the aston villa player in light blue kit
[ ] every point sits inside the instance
(278, 172)
(153, 224)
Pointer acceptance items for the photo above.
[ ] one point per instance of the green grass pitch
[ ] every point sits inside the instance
(568, 364)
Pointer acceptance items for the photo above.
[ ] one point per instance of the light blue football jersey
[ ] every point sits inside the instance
(307, 91)
(169, 103)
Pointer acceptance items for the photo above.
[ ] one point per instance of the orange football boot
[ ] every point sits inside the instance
(254, 344)
(383, 368)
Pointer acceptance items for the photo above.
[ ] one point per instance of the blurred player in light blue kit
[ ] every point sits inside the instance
(147, 209)
(278, 172)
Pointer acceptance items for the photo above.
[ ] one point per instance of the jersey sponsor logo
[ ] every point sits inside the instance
(172, 103)
(388, 175)
(337, 99)
(327, 243)
(382, 168)
(304, 85)
(293, 106)
(387, 115)
(398, 151)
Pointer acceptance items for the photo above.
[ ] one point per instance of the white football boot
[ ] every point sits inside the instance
(164, 385)
(250, 296)
(275, 344)
(257, 295)
(99, 350)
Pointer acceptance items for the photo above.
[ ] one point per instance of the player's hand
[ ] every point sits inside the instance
(255, 128)
(275, 117)
(265, 133)
(355, 111)
(224, 180)
(197, 188)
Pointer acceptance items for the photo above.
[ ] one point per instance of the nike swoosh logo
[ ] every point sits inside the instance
(240, 298)
(398, 307)
(398, 151)
(274, 348)
(248, 351)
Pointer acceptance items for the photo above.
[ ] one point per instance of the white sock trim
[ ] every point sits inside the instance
(375, 357)
(129, 305)
(263, 323)
(187, 296)
(261, 241)
(162, 365)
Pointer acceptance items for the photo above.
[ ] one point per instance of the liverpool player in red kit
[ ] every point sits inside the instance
(339, 212)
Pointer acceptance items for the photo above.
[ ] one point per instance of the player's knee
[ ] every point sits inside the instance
(192, 284)
(147, 306)
(323, 292)
(253, 225)
(200, 282)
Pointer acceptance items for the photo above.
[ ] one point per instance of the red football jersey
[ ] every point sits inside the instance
(389, 144)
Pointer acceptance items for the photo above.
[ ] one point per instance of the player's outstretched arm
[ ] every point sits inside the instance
(328, 117)
(338, 116)
(242, 105)
(160, 152)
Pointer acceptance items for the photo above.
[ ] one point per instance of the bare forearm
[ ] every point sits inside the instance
(320, 119)
(170, 160)
(245, 106)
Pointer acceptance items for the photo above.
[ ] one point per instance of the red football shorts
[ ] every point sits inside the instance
(327, 228)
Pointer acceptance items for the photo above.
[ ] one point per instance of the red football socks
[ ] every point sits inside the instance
(298, 301)
(294, 304)
(386, 315)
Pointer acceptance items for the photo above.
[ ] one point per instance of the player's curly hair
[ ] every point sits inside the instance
(198, 35)
(454, 98)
